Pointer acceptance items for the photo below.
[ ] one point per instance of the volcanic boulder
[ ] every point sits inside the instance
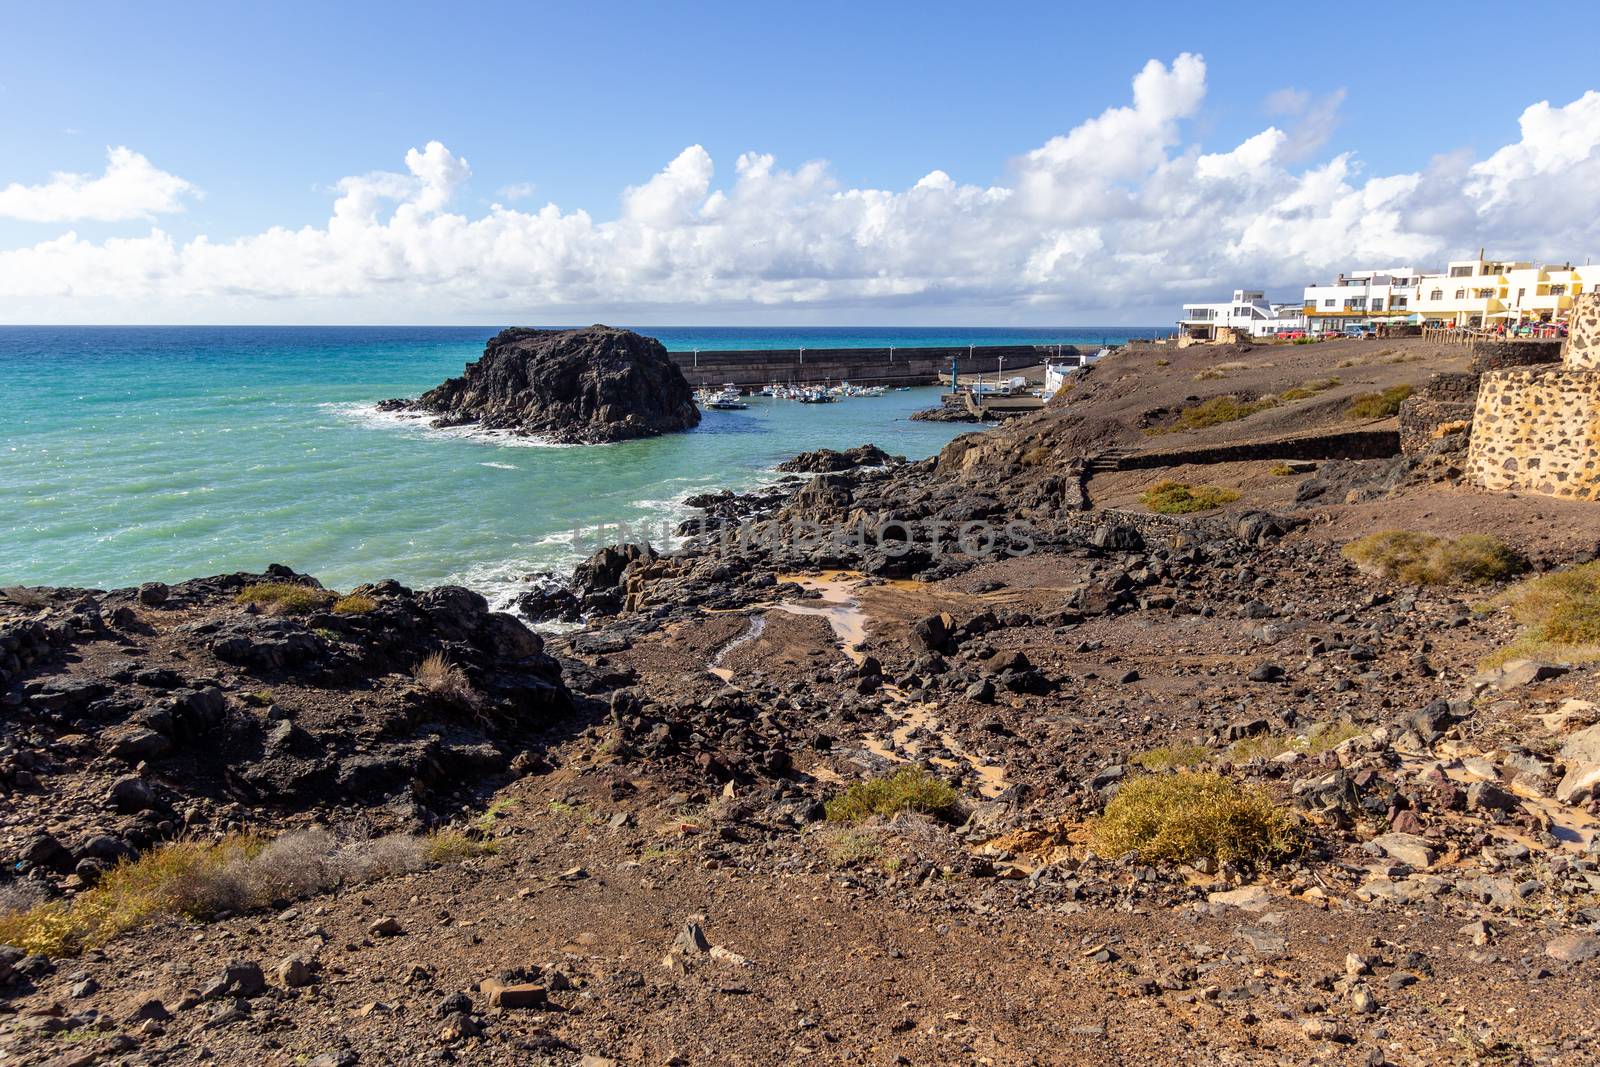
(585, 386)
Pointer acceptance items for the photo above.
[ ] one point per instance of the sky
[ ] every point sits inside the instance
(701, 164)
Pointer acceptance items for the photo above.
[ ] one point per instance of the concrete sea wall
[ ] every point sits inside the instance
(862, 366)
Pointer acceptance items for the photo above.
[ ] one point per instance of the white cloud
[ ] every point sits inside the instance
(516, 191)
(131, 188)
(1118, 219)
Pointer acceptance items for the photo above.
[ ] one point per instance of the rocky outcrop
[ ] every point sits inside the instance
(827, 460)
(586, 386)
(389, 699)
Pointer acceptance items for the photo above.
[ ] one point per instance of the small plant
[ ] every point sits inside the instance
(1560, 615)
(910, 789)
(846, 848)
(1163, 362)
(1190, 817)
(1378, 405)
(492, 815)
(285, 598)
(1309, 389)
(354, 604)
(1214, 412)
(1210, 374)
(444, 680)
(1282, 470)
(1426, 559)
(1171, 757)
(1176, 498)
(1321, 737)
(453, 846)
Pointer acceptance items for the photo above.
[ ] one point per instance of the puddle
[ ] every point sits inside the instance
(841, 607)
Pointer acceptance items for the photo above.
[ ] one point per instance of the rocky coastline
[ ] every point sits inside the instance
(667, 871)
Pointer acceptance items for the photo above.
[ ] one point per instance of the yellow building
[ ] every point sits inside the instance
(1483, 292)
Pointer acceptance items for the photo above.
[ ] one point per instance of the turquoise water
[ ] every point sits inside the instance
(138, 454)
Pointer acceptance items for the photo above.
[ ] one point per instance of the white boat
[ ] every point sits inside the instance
(729, 399)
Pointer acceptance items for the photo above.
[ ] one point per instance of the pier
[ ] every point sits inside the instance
(754, 368)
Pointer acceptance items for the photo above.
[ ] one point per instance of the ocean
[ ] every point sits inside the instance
(132, 454)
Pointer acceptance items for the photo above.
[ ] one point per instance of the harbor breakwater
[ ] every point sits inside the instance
(753, 368)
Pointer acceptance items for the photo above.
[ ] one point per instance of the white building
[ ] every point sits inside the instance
(1249, 312)
(1362, 297)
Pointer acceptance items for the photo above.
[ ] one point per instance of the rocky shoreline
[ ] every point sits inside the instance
(666, 874)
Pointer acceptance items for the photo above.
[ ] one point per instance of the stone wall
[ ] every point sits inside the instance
(1528, 352)
(1583, 341)
(1432, 418)
(1538, 429)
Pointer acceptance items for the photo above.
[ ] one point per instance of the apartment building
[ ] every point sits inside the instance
(1485, 292)
(1361, 298)
(1249, 312)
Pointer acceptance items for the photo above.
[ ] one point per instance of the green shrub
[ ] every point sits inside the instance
(285, 598)
(1214, 412)
(910, 789)
(1190, 817)
(354, 604)
(1378, 405)
(1426, 559)
(1176, 498)
(1282, 470)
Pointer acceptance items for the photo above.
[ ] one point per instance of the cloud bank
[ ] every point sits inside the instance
(1118, 219)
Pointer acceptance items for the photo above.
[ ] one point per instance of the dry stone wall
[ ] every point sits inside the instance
(1583, 336)
(1538, 429)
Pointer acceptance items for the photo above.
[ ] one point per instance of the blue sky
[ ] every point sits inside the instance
(262, 110)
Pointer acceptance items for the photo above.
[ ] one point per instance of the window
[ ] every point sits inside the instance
(1461, 294)
(1437, 294)
(1377, 303)
(1398, 302)
(1558, 290)
(1485, 294)
(1460, 272)
(1328, 303)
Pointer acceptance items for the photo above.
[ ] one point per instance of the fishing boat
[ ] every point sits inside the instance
(815, 396)
(729, 399)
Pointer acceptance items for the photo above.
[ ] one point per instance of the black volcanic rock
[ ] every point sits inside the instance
(827, 461)
(585, 386)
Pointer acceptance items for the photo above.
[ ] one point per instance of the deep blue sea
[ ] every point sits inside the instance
(131, 454)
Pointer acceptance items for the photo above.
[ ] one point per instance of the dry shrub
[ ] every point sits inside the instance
(1319, 738)
(202, 879)
(1378, 405)
(1214, 412)
(909, 789)
(1176, 498)
(1171, 757)
(285, 598)
(1309, 389)
(1560, 614)
(354, 604)
(1191, 817)
(444, 680)
(1426, 559)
